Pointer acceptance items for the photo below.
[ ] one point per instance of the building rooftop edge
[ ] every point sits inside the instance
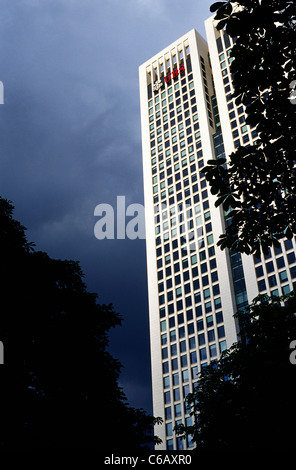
(166, 49)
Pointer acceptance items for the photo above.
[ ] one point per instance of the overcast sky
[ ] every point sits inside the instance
(71, 139)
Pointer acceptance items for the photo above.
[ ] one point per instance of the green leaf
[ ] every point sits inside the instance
(221, 24)
(233, 27)
(224, 12)
(216, 5)
(288, 233)
(253, 119)
(217, 162)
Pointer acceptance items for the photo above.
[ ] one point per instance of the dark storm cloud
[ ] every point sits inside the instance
(70, 139)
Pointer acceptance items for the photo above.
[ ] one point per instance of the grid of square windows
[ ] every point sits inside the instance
(190, 308)
(183, 357)
(276, 270)
(242, 134)
(190, 311)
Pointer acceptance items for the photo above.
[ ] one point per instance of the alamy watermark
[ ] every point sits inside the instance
(1, 353)
(292, 356)
(292, 96)
(170, 223)
(115, 224)
(1, 93)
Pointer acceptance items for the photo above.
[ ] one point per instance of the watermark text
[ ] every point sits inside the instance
(292, 356)
(175, 222)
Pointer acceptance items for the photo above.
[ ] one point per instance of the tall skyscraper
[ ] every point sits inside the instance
(194, 288)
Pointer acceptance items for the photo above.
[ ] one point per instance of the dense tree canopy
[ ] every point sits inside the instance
(59, 383)
(246, 400)
(258, 184)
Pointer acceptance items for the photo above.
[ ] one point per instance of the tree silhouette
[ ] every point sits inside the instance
(246, 399)
(61, 381)
(257, 184)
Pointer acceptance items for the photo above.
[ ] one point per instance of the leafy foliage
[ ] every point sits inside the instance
(259, 181)
(246, 400)
(60, 381)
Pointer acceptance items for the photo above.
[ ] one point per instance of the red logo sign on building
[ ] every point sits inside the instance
(174, 73)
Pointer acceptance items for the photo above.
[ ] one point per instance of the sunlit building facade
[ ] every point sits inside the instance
(194, 288)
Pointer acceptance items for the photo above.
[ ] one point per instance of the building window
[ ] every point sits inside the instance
(174, 351)
(170, 444)
(270, 267)
(219, 45)
(280, 262)
(194, 372)
(185, 376)
(200, 325)
(169, 429)
(286, 290)
(174, 364)
(193, 357)
(164, 353)
(178, 410)
(168, 413)
(288, 244)
(293, 272)
(167, 397)
(221, 331)
(210, 321)
(275, 293)
(283, 276)
(213, 350)
(177, 395)
(211, 335)
(261, 285)
(222, 346)
(166, 382)
(259, 271)
(272, 281)
(203, 354)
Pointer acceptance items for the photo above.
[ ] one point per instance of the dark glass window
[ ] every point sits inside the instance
(288, 244)
(214, 276)
(200, 325)
(205, 280)
(174, 364)
(221, 331)
(165, 367)
(216, 289)
(180, 318)
(219, 45)
(261, 285)
(211, 335)
(193, 357)
(179, 305)
(203, 268)
(198, 311)
(226, 40)
(201, 339)
(270, 267)
(280, 262)
(203, 354)
(272, 281)
(219, 317)
(171, 322)
(171, 309)
(293, 272)
(259, 271)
